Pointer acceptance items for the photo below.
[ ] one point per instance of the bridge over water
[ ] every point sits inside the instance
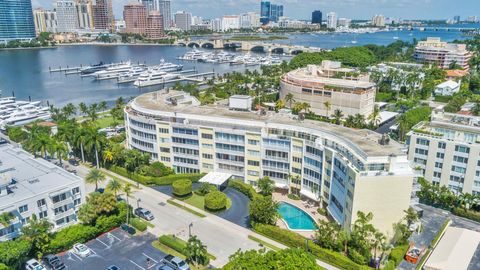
(256, 46)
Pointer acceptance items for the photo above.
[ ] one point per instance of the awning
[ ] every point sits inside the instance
(216, 178)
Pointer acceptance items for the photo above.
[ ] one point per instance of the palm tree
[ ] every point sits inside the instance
(289, 98)
(306, 107)
(411, 216)
(403, 127)
(127, 190)
(95, 176)
(337, 115)
(374, 117)
(107, 156)
(41, 143)
(359, 120)
(94, 141)
(59, 148)
(350, 121)
(378, 239)
(266, 185)
(83, 108)
(328, 106)
(80, 137)
(115, 186)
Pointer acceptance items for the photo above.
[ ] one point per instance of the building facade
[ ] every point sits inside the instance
(347, 171)
(155, 28)
(344, 89)
(230, 22)
(447, 151)
(164, 7)
(332, 20)
(85, 14)
(66, 16)
(378, 21)
(183, 20)
(45, 20)
(436, 52)
(249, 20)
(270, 12)
(30, 186)
(317, 17)
(103, 18)
(16, 20)
(135, 16)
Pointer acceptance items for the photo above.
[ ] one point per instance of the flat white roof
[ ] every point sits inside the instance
(448, 83)
(454, 251)
(385, 116)
(215, 178)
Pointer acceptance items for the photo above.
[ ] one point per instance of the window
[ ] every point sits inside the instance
(185, 151)
(186, 131)
(460, 159)
(253, 142)
(207, 136)
(163, 130)
(462, 149)
(421, 151)
(165, 159)
(438, 165)
(184, 141)
(442, 145)
(77, 202)
(43, 214)
(327, 94)
(229, 137)
(253, 173)
(457, 179)
(207, 156)
(164, 140)
(41, 202)
(317, 92)
(164, 150)
(423, 141)
(459, 169)
(440, 155)
(306, 90)
(253, 163)
(297, 148)
(207, 145)
(230, 147)
(314, 151)
(185, 160)
(75, 190)
(207, 166)
(253, 153)
(296, 170)
(297, 160)
(437, 174)
(23, 208)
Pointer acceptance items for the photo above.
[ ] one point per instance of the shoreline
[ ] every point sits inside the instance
(112, 44)
(29, 48)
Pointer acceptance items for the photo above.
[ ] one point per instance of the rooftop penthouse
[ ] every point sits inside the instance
(346, 89)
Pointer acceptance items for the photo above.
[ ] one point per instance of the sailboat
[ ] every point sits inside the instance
(354, 41)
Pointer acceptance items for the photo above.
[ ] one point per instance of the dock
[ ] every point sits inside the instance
(65, 69)
(133, 79)
(183, 78)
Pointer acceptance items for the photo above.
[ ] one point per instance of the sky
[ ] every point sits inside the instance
(302, 9)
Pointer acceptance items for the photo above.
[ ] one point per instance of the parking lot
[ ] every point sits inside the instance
(117, 248)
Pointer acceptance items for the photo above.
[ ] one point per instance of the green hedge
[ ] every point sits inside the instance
(294, 240)
(173, 243)
(66, 238)
(106, 223)
(396, 256)
(182, 187)
(156, 181)
(472, 215)
(14, 253)
(243, 187)
(138, 224)
(439, 233)
(215, 200)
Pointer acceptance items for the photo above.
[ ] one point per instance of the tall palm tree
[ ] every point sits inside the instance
(359, 120)
(306, 107)
(337, 116)
(328, 107)
(60, 149)
(83, 108)
(127, 190)
(94, 141)
(374, 117)
(350, 121)
(107, 156)
(41, 143)
(403, 127)
(280, 104)
(115, 186)
(378, 239)
(289, 98)
(80, 138)
(95, 176)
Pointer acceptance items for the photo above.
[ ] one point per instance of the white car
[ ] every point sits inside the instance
(81, 250)
(34, 265)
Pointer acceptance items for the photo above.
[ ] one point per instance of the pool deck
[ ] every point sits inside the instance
(312, 211)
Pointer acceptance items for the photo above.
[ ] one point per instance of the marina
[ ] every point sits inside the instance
(230, 58)
(14, 112)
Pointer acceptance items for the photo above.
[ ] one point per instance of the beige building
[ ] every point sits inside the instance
(345, 89)
(447, 150)
(45, 20)
(346, 170)
(443, 54)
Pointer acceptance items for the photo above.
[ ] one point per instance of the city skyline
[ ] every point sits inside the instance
(406, 9)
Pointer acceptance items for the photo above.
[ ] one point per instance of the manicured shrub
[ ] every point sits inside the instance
(173, 243)
(215, 200)
(156, 181)
(293, 197)
(106, 223)
(182, 187)
(243, 187)
(138, 224)
(204, 189)
(397, 254)
(472, 215)
(356, 257)
(294, 240)
(65, 238)
(14, 253)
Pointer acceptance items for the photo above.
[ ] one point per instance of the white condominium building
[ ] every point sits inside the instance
(447, 150)
(183, 20)
(347, 170)
(443, 54)
(345, 89)
(66, 16)
(34, 186)
(332, 20)
(230, 22)
(45, 20)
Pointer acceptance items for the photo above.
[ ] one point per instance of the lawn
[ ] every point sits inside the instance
(106, 121)
(198, 201)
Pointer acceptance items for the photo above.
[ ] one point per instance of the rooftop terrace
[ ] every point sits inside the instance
(363, 140)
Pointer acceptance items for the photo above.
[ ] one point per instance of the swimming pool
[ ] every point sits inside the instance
(296, 218)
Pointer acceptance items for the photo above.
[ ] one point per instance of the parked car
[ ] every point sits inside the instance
(144, 213)
(113, 267)
(81, 250)
(175, 263)
(130, 230)
(163, 266)
(53, 262)
(33, 264)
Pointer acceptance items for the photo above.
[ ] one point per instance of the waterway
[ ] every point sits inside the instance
(26, 72)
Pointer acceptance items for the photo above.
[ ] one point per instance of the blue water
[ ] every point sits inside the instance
(295, 218)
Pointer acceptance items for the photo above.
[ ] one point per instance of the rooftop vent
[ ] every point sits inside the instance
(385, 140)
(33, 181)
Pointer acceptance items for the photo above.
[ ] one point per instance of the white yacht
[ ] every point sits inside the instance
(154, 77)
(167, 67)
(14, 113)
(113, 70)
(134, 72)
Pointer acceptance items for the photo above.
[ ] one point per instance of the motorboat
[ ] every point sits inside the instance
(14, 113)
(153, 77)
(113, 71)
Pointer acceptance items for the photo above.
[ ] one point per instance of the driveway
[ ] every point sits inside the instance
(117, 248)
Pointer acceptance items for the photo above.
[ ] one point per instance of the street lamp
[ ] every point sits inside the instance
(190, 229)
(138, 202)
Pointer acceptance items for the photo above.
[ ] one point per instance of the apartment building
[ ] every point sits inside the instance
(45, 20)
(183, 20)
(66, 16)
(345, 89)
(31, 186)
(443, 54)
(346, 171)
(447, 150)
